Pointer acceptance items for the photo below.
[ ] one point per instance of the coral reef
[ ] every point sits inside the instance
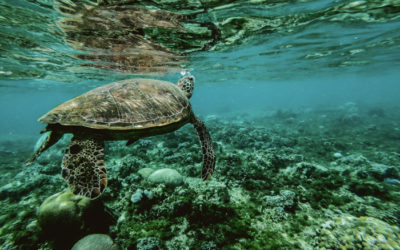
(279, 183)
(362, 233)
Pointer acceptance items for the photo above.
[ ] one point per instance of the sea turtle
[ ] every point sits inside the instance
(123, 110)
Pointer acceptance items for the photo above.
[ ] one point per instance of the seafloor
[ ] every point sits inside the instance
(323, 178)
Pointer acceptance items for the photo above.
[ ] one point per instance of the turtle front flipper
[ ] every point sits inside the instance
(51, 138)
(83, 166)
(207, 148)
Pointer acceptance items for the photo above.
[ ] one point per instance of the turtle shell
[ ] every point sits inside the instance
(124, 105)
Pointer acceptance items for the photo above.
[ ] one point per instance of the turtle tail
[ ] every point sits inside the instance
(207, 148)
(83, 166)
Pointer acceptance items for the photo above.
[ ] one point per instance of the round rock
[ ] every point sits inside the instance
(65, 218)
(95, 241)
(167, 176)
(145, 172)
(62, 214)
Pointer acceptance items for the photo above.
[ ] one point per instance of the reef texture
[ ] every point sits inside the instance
(286, 179)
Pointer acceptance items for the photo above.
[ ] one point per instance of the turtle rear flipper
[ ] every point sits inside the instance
(207, 148)
(83, 166)
(50, 140)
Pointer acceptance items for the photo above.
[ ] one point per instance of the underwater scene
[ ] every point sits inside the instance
(199, 124)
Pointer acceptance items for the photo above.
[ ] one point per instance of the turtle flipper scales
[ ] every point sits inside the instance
(207, 148)
(83, 166)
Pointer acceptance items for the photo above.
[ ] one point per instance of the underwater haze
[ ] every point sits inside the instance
(301, 100)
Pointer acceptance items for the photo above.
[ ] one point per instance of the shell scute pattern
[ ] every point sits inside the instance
(128, 104)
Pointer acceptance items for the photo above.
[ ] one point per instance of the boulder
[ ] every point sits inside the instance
(95, 241)
(65, 217)
(145, 172)
(167, 176)
(62, 214)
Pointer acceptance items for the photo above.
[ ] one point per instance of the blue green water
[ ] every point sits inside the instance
(311, 53)
(313, 72)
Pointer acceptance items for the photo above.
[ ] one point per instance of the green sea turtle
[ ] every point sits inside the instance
(123, 110)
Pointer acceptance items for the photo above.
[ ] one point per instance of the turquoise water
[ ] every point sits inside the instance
(301, 100)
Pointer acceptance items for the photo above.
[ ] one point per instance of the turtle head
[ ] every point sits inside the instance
(186, 84)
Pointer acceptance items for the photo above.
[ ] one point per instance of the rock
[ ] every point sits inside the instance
(145, 172)
(167, 176)
(337, 155)
(353, 160)
(364, 168)
(65, 217)
(95, 241)
(62, 213)
(139, 195)
(148, 194)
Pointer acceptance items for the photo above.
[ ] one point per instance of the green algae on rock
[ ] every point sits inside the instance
(64, 217)
(95, 241)
(145, 172)
(167, 176)
(63, 207)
